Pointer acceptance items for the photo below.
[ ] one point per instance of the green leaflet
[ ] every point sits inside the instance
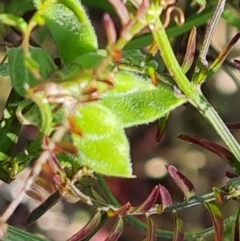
(71, 29)
(104, 146)
(14, 234)
(4, 70)
(20, 75)
(231, 17)
(136, 101)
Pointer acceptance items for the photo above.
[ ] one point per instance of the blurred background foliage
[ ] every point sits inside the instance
(204, 169)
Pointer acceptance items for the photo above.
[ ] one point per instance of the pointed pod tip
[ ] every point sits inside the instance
(183, 182)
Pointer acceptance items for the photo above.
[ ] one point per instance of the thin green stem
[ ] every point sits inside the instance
(133, 220)
(159, 232)
(210, 30)
(191, 90)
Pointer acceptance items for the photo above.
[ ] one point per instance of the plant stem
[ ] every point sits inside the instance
(159, 232)
(191, 90)
(210, 30)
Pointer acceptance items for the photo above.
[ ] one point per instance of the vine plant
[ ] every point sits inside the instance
(69, 116)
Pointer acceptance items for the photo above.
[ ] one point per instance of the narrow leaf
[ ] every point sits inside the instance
(110, 30)
(178, 228)
(97, 196)
(123, 210)
(216, 219)
(165, 197)
(233, 126)
(237, 227)
(148, 203)
(184, 184)
(14, 234)
(56, 168)
(190, 52)
(4, 70)
(236, 63)
(151, 236)
(20, 75)
(87, 229)
(43, 208)
(161, 124)
(214, 67)
(116, 231)
(211, 146)
(200, 71)
(121, 11)
(104, 146)
(231, 17)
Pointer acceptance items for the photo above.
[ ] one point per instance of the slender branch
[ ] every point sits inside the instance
(165, 233)
(191, 90)
(210, 30)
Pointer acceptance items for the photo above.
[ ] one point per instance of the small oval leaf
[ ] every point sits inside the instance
(104, 146)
